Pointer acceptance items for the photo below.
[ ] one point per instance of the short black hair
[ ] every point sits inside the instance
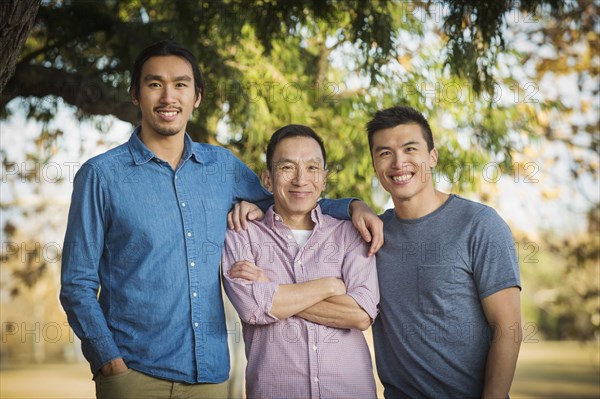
(399, 115)
(292, 131)
(161, 49)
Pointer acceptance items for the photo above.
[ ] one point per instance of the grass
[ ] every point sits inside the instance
(548, 370)
(557, 370)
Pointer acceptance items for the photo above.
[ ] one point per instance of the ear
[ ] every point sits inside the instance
(433, 158)
(265, 176)
(134, 99)
(198, 100)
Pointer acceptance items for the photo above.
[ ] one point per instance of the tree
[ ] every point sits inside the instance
(267, 63)
(17, 17)
(330, 64)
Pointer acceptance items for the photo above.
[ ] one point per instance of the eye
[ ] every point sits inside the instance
(411, 149)
(181, 85)
(385, 153)
(154, 84)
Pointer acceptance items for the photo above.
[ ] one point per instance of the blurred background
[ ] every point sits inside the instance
(511, 90)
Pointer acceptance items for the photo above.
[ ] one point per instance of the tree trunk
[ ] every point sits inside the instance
(16, 20)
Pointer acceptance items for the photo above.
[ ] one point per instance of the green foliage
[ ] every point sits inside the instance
(331, 64)
(269, 63)
(475, 35)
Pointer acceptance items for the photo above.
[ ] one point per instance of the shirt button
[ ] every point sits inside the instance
(289, 237)
(316, 379)
(277, 218)
(183, 204)
(195, 294)
(189, 234)
(299, 262)
(195, 324)
(193, 264)
(314, 347)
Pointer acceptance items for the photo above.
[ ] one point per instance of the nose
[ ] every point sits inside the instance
(299, 177)
(397, 161)
(167, 95)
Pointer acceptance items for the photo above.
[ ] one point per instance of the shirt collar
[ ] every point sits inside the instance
(273, 220)
(142, 154)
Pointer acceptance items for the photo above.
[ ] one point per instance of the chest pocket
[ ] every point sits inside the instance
(215, 210)
(436, 289)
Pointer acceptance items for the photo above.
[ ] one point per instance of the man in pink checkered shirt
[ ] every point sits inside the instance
(302, 283)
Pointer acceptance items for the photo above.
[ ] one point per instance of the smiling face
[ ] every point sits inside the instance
(166, 96)
(296, 179)
(404, 165)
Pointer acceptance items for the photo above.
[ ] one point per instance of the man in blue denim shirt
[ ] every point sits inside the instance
(146, 225)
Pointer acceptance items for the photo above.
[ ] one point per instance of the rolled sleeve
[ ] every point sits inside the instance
(252, 300)
(360, 275)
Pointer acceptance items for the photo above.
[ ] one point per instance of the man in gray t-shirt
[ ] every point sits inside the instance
(450, 321)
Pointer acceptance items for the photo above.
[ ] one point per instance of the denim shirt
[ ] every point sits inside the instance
(149, 239)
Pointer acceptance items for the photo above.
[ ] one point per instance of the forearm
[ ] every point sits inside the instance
(339, 311)
(502, 310)
(291, 299)
(501, 363)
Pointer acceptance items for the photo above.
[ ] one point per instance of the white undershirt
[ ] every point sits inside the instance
(301, 236)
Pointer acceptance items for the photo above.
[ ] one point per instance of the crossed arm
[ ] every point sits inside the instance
(323, 301)
(289, 299)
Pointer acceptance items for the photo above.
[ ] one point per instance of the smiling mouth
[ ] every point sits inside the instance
(299, 193)
(402, 178)
(168, 113)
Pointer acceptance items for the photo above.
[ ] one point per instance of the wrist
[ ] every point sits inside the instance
(113, 367)
(354, 202)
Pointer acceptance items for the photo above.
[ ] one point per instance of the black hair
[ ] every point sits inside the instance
(399, 115)
(292, 131)
(159, 49)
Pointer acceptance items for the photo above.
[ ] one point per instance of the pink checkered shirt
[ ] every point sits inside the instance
(295, 358)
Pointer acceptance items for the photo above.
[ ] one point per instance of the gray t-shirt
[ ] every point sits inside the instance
(431, 336)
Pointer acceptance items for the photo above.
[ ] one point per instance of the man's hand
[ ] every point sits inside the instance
(368, 224)
(242, 212)
(114, 367)
(248, 271)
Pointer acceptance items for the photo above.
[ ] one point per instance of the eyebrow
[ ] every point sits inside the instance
(160, 78)
(411, 143)
(286, 160)
(385, 147)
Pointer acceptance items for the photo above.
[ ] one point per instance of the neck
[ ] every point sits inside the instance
(419, 206)
(167, 148)
(298, 222)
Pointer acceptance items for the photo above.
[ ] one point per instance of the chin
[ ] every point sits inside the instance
(168, 133)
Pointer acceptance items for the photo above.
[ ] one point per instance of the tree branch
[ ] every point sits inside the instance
(91, 95)
(16, 20)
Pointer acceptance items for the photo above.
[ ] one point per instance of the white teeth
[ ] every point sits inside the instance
(402, 178)
(168, 113)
